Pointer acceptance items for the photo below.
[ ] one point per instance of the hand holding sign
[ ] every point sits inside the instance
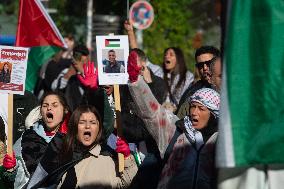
(90, 78)
(9, 162)
(122, 147)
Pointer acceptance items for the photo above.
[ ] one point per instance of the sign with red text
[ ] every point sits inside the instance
(13, 66)
(141, 14)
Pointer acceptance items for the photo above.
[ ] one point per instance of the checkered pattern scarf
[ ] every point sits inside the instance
(209, 98)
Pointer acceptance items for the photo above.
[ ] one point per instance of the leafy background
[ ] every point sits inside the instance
(187, 24)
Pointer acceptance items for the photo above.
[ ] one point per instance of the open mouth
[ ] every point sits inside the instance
(167, 62)
(87, 135)
(49, 116)
(194, 122)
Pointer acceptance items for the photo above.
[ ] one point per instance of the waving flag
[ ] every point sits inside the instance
(252, 98)
(37, 30)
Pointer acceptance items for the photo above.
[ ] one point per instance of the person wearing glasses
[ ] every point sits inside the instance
(113, 66)
(204, 56)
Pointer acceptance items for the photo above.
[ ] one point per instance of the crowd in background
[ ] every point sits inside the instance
(68, 136)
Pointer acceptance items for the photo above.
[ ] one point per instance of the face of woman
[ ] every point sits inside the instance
(199, 115)
(88, 128)
(52, 112)
(6, 67)
(170, 59)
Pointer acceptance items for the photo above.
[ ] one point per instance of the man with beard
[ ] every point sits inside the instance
(204, 56)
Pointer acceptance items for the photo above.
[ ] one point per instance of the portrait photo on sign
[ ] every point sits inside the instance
(5, 72)
(112, 55)
(113, 61)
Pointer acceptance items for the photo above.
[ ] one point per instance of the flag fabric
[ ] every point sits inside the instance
(112, 42)
(252, 96)
(37, 30)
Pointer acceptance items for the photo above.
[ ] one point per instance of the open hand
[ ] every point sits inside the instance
(90, 78)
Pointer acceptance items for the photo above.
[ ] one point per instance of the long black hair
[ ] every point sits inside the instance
(180, 68)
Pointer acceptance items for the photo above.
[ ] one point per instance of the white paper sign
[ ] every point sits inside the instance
(112, 55)
(13, 66)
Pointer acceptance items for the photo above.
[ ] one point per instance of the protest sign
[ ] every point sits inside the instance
(13, 65)
(112, 54)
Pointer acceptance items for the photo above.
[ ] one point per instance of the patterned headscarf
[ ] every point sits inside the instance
(209, 98)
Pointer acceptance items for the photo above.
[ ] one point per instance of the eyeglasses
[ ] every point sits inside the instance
(200, 65)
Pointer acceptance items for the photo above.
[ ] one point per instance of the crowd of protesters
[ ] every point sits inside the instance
(168, 123)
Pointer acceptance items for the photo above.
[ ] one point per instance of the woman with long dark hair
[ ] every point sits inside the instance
(84, 161)
(5, 74)
(176, 74)
(47, 120)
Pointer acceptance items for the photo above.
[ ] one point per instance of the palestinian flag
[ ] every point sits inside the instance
(112, 42)
(252, 104)
(37, 30)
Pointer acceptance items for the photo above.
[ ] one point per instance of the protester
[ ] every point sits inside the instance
(47, 120)
(216, 74)
(81, 152)
(175, 74)
(203, 58)
(67, 81)
(134, 129)
(5, 74)
(70, 42)
(187, 145)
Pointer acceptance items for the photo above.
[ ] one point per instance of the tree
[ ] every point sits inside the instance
(171, 27)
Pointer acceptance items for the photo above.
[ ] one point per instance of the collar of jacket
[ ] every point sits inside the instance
(96, 150)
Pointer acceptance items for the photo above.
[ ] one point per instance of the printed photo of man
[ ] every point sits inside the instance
(112, 65)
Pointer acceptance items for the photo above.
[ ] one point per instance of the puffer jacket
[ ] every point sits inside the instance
(186, 167)
(29, 148)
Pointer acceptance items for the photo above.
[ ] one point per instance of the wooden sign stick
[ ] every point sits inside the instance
(10, 125)
(118, 124)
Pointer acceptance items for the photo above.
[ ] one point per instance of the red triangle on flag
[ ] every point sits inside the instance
(35, 27)
(106, 42)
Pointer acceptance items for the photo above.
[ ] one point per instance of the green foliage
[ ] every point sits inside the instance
(9, 7)
(171, 27)
(70, 17)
